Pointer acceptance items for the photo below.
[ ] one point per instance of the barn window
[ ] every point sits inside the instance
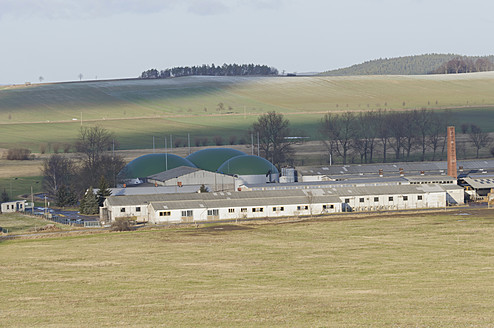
(213, 212)
(347, 200)
(187, 213)
(165, 213)
(231, 210)
(376, 199)
(122, 210)
(405, 198)
(138, 209)
(419, 197)
(362, 199)
(390, 198)
(243, 210)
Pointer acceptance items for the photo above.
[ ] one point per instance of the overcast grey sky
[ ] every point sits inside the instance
(58, 39)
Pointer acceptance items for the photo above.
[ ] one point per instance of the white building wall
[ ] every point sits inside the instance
(215, 181)
(456, 197)
(14, 206)
(235, 212)
(130, 211)
(258, 179)
(393, 201)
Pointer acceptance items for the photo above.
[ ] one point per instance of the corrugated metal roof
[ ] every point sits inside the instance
(281, 196)
(409, 168)
(173, 173)
(388, 190)
(426, 178)
(478, 183)
(150, 190)
(326, 184)
(245, 202)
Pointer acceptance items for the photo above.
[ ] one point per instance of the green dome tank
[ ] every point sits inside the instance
(150, 164)
(247, 165)
(211, 159)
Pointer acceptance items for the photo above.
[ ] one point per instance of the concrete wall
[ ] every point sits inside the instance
(393, 201)
(215, 181)
(15, 206)
(236, 212)
(456, 197)
(140, 212)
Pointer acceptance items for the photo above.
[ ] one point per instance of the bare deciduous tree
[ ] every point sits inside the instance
(479, 138)
(274, 141)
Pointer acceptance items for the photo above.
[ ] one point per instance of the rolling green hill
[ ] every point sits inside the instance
(408, 65)
(138, 109)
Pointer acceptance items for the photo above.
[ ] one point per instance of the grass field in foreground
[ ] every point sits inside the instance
(16, 223)
(423, 270)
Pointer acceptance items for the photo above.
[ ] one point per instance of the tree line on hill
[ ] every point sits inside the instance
(465, 65)
(210, 70)
(412, 65)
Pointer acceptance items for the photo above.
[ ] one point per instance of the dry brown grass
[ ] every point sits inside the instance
(418, 270)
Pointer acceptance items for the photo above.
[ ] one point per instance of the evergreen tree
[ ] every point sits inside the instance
(65, 196)
(104, 191)
(89, 203)
(4, 197)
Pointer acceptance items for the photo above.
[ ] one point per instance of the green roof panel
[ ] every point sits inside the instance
(247, 165)
(211, 159)
(150, 164)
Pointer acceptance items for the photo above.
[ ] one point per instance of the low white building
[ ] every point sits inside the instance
(14, 206)
(278, 203)
(244, 205)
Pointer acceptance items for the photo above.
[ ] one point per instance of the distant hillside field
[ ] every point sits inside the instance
(138, 109)
(408, 65)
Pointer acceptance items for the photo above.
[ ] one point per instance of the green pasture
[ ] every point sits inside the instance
(16, 223)
(201, 95)
(136, 110)
(138, 133)
(417, 270)
(20, 186)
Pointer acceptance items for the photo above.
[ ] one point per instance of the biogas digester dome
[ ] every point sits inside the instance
(150, 164)
(248, 165)
(211, 159)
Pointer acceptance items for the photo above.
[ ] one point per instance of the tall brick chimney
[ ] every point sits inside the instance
(452, 152)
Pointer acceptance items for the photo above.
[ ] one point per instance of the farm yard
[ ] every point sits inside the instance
(206, 106)
(423, 270)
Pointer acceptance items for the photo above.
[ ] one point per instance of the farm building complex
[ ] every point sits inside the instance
(166, 208)
(240, 186)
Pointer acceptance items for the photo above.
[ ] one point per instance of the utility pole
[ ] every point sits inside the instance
(166, 156)
(257, 143)
(188, 141)
(252, 144)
